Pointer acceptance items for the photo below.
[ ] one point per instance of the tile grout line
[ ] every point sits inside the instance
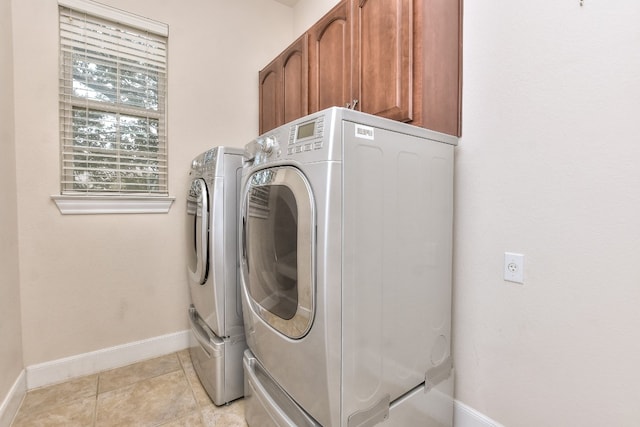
(193, 393)
(130, 384)
(95, 408)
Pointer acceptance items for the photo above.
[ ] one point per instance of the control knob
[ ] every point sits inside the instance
(267, 144)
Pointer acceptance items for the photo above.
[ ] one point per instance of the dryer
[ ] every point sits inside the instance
(345, 254)
(215, 314)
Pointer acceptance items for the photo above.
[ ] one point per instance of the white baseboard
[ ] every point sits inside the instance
(466, 416)
(12, 401)
(60, 370)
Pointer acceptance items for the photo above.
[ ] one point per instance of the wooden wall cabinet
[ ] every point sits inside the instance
(283, 88)
(399, 59)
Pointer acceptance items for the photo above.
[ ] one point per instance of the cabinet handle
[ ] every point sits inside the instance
(352, 105)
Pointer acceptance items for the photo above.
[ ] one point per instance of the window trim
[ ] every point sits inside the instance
(91, 205)
(120, 16)
(114, 204)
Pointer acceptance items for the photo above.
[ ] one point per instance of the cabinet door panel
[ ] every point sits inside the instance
(269, 98)
(294, 80)
(385, 41)
(330, 59)
(438, 65)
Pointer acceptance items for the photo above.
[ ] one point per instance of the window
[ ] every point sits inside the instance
(113, 72)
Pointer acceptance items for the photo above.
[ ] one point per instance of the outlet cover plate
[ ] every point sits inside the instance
(514, 267)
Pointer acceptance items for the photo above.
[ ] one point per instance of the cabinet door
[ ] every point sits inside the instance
(438, 65)
(330, 59)
(295, 86)
(270, 102)
(384, 38)
(284, 87)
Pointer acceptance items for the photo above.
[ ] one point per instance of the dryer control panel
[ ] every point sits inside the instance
(306, 136)
(302, 136)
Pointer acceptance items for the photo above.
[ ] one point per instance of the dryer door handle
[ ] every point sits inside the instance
(198, 209)
(245, 254)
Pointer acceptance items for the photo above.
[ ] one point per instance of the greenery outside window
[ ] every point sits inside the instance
(113, 72)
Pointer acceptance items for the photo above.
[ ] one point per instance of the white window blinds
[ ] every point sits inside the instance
(112, 102)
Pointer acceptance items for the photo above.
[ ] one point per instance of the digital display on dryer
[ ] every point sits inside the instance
(306, 130)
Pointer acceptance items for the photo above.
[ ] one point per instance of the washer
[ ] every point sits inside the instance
(346, 248)
(215, 314)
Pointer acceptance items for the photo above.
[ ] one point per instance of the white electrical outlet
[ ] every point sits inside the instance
(514, 267)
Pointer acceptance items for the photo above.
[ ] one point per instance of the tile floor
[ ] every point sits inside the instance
(164, 391)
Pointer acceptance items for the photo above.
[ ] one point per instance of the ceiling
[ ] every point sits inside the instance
(288, 2)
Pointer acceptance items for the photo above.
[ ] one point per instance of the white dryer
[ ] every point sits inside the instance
(217, 332)
(346, 248)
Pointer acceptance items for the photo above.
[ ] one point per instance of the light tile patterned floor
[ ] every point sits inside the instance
(164, 391)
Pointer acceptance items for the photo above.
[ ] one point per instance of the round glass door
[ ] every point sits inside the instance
(198, 227)
(278, 249)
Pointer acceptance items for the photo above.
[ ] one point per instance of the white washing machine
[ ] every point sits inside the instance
(217, 332)
(345, 254)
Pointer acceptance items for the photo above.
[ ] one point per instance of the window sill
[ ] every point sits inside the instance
(88, 205)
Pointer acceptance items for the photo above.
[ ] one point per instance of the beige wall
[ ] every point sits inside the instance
(306, 12)
(10, 325)
(549, 166)
(90, 282)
